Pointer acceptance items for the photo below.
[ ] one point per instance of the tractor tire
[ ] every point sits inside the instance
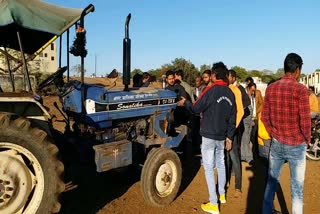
(161, 177)
(29, 171)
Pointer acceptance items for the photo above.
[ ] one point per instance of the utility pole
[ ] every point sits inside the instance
(95, 65)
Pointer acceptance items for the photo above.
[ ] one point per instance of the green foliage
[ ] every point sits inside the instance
(136, 71)
(242, 73)
(189, 69)
(267, 78)
(255, 73)
(204, 67)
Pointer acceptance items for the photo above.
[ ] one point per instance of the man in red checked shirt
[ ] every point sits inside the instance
(286, 116)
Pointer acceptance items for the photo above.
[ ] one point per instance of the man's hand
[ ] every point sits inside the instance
(181, 102)
(228, 144)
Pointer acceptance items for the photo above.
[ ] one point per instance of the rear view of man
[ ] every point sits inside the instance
(217, 105)
(286, 116)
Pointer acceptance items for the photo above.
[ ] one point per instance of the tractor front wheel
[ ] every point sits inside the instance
(161, 177)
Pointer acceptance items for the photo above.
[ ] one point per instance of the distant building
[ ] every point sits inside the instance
(45, 62)
(48, 59)
(312, 79)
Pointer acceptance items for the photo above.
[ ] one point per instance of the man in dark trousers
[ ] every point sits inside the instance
(217, 105)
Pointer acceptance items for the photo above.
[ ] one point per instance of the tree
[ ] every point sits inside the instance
(190, 71)
(255, 73)
(279, 73)
(204, 67)
(77, 69)
(267, 78)
(241, 73)
(136, 71)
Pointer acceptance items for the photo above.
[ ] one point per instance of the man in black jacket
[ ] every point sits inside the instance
(218, 109)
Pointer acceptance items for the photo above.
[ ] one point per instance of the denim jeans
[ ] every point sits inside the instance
(296, 157)
(235, 162)
(213, 156)
(246, 151)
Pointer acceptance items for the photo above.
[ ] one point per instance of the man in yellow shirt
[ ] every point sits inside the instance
(313, 101)
(234, 153)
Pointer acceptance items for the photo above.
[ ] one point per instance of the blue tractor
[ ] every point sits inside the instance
(126, 126)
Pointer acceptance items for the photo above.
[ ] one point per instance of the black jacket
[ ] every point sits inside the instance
(218, 108)
(180, 91)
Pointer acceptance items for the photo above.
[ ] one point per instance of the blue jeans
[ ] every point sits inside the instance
(296, 157)
(213, 156)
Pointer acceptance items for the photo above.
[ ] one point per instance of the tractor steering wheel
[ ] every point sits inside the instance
(52, 77)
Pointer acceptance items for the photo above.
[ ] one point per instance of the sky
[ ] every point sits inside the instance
(250, 34)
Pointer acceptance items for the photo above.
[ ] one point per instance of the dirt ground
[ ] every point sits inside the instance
(119, 191)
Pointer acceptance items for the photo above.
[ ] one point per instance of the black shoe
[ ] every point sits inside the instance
(251, 163)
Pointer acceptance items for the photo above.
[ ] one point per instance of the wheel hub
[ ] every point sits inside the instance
(5, 190)
(165, 178)
(17, 180)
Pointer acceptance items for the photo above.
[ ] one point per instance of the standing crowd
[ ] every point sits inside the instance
(236, 124)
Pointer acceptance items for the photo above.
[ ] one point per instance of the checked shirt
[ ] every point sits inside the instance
(286, 112)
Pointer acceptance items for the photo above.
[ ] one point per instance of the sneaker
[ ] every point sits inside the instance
(210, 208)
(223, 199)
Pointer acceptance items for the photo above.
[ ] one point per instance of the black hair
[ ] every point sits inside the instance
(218, 65)
(292, 62)
(207, 72)
(179, 73)
(252, 84)
(312, 88)
(250, 79)
(221, 71)
(232, 73)
(145, 75)
(137, 80)
(169, 72)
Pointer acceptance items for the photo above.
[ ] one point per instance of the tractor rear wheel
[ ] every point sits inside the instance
(161, 177)
(29, 170)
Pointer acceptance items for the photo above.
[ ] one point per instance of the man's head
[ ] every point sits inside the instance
(198, 81)
(145, 77)
(251, 88)
(311, 89)
(179, 75)
(170, 77)
(220, 70)
(232, 76)
(293, 64)
(249, 80)
(206, 77)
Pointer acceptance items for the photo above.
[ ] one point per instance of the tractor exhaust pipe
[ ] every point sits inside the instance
(127, 56)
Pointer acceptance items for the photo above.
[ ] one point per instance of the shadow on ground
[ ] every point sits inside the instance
(94, 190)
(256, 190)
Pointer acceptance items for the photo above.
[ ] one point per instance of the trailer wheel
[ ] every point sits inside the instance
(161, 177)
(29, 170)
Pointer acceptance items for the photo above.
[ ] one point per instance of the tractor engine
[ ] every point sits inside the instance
(125, 124)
